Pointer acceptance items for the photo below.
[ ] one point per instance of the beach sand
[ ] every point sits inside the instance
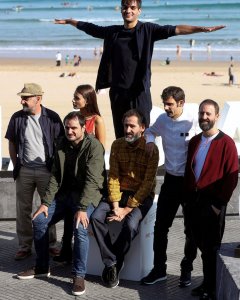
(58, 91)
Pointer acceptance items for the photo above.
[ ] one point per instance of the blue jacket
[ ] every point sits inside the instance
(146, 34)
(52, 128)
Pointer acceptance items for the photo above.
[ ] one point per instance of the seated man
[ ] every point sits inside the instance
(76, 183)
(131, 188)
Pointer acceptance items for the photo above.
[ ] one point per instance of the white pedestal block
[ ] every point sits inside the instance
(139, 260)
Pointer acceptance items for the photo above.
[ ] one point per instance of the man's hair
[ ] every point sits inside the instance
(136, 113)
(210, 102)
(75, 115)
(124, 2)
(173, 91)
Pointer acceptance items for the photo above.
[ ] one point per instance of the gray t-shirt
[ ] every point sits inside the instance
(34, 153)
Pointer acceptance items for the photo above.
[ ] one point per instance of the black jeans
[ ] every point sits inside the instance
(207, 229)
(124, 99)
(170, 197)
(112, 252)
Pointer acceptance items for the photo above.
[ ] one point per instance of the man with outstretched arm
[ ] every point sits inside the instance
(125, 64)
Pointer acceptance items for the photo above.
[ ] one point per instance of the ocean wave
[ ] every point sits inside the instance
(90, 48)
(110, 20)
(106, 6)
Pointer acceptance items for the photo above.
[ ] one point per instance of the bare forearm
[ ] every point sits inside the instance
(66, 21)
(188, 29)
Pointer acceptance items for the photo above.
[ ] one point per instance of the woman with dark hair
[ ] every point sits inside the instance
(85, 100)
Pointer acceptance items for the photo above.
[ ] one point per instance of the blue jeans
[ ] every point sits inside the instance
(56, 212)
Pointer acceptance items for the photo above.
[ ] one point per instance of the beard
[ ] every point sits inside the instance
(26, 109)
(206, 125)
(131, 138)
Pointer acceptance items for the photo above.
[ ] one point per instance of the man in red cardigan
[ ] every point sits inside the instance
(211, 176)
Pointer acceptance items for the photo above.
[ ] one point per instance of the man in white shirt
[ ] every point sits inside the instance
(58, 59)
(176, 126)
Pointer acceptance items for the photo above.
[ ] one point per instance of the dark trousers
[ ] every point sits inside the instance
(124, 99)
(170, 197)
(207, 229)
(66, 250)
(112, 252)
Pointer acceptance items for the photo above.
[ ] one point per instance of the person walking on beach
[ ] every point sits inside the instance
(210, 178)
(131, 185)
(76, 183)
(125, 65)
(31, 133)
(58, 59)
(230, 75)
(84, 99)
(176, 126)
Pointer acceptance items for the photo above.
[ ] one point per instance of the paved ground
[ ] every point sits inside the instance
(58, 286)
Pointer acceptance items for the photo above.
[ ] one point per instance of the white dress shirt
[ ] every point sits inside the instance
(175, 136)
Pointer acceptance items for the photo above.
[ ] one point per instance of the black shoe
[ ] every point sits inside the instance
(154, 276)
(185, 279)
(110, 276)
(198, 291)
(63, 259)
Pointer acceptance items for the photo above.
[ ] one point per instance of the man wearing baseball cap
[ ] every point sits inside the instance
(31, 134)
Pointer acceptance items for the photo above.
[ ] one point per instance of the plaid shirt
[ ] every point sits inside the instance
(131, 169)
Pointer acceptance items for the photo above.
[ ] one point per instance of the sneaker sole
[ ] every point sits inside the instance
(184, 284)
(33, 276)
(78, 293)
(113, 286)
(109, 285)
(155, 281)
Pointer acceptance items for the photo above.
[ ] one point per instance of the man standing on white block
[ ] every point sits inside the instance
(131, 187)
(175, 127)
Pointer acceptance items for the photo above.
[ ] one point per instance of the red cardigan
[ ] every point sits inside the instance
(219, 175)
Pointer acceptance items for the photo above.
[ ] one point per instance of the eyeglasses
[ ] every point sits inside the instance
(132, 7)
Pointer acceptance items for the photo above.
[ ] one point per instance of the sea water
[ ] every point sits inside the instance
(27, 27)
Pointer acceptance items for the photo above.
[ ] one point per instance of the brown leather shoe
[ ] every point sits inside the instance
(22, 254)
(78, 286)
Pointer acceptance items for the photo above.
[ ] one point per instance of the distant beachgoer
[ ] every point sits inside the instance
(209, 51)
(77, 60)
(212, 74)
(209, 48)
(58, 59)
(178, 51)
(231, 75)
(95, 52)
(125, 64)
(100, 51)
(192, 43)
(167, 61)
(67, 59)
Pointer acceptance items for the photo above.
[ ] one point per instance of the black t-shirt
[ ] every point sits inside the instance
(69, 182)
(124, 59)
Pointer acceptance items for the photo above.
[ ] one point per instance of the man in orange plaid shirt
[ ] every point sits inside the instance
(131, 188)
